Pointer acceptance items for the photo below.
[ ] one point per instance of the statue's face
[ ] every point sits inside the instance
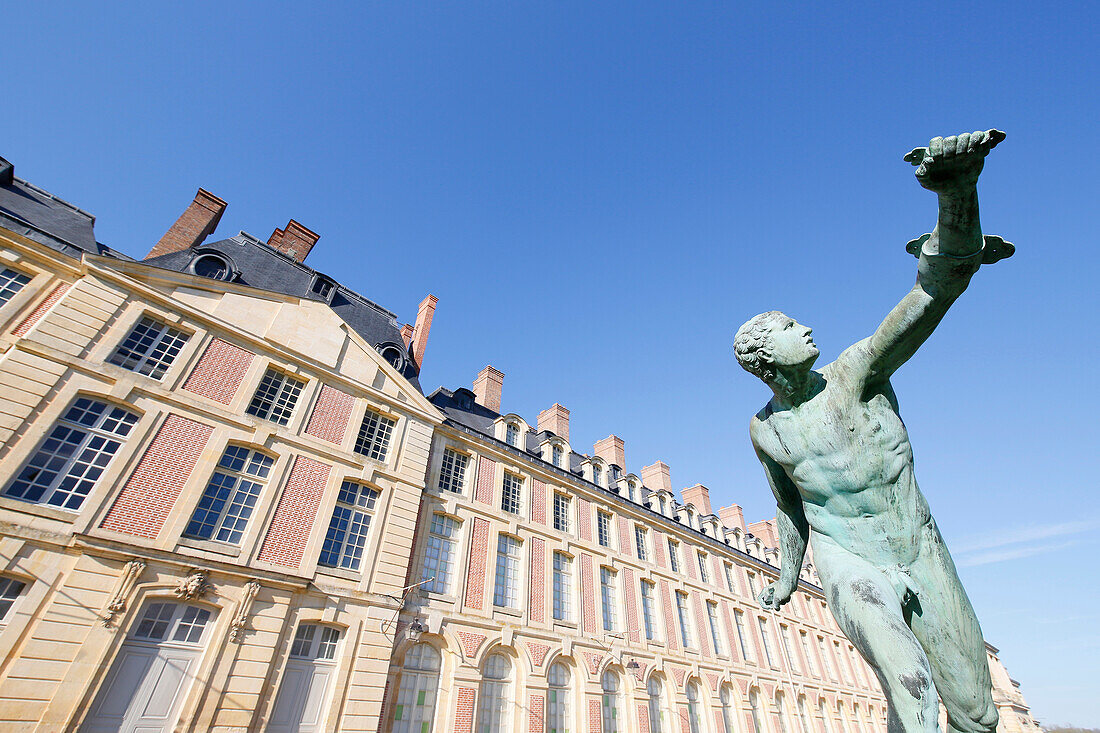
(791, 345)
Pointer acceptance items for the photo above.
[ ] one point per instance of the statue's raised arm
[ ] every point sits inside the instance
(948, 257)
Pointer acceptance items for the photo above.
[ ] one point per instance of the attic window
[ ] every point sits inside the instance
(211, 266)
(322, 287)
(393, 355)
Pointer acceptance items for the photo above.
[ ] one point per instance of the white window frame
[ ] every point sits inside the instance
(349, 529)
(609, 599)
(11, 282)
(375, 433)
(11, 590)
(511, 494)
(674, 555)
(562, 588)
(507, 576)
(715, 632)
(150, 348)
(563, 505)
(704, 575)
(453, 470)
(245, 483)
(649, 609)
(641, 539)
(559, 698)
(604, 520)
(683, 613)
(439, 553)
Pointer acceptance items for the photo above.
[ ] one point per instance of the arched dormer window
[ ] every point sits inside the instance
(511, 434)
(557, 455)
(597, 474)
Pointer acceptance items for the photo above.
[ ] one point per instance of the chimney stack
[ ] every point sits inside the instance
(295, 241)
(611, 449)
(699, 497)
(195, 224)
(424, 315)
(732, 517)
(488, 387)
(407, 334)
(555, 419)
(657, 477)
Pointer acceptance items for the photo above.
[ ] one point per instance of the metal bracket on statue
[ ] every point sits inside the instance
(994, 248)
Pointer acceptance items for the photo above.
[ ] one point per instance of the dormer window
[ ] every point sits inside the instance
(322, 287)
(661, 504)
(212, 266)
(597, 475)
(631, 490)
(557, 455)
(511, 435)
(393, 355)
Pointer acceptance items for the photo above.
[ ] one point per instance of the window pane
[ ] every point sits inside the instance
(11, 282)
(452, 472)
(374, 436)
(276, 397)
(511, 494)
(10, 588)
(149, 348)
(226, 505)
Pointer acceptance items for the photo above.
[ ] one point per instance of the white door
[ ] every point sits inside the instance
(154, 669)
(303, 697)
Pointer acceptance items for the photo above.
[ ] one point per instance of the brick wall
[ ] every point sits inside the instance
(595, 721)
(536, 710)
(296, 513)
(538, 501)
(41, 309)
(672, 634)
(584, 519)
(331, 414)
(659, 547)
(479, 550)
(537, 585)
(464, 710)
(624, 536)
(643, 718)
(153, 487)
(219, 371)
(702, 624)
(588, 595)
(629, 588)
(486, 473)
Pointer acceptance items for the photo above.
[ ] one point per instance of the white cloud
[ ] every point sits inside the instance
(1010, 553)
(1031, 533)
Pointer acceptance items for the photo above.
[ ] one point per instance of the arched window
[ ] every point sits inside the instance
(558, 699)
(511, 434)
(416, 696)
(754, 709)
(727, 709)
(597, 475)
(693, 707)
(610, 684)
(656, 706)
(493, 714)
(781, 706)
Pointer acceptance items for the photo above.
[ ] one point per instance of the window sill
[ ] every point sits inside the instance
(507, 611)
(432, 595)
(565, 624)
(220, 548)
(343, 573)
(41, 510)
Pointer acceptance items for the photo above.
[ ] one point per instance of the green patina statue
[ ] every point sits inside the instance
(838, 459)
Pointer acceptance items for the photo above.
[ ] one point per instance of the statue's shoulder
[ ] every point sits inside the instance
(757, 423)
(851, 365)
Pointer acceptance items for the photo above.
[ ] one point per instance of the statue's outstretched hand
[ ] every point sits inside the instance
(953, 162)
(771, 599)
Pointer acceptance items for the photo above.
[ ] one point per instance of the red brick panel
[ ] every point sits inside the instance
(471, 643)
(659, 543)
(588, 595)
(595, 718)
(718, 573)
(385, 706)
(41, 309)
(672, 635)
(685, 724)
(536, 710)
(701, 623)
(584, 519)
(537, 587)
(220, 370)
(643, 718)
(538, 501)
(331, 415)
(731, 632)
(296, 513)
(690, 558)
(153, 487)
(486, 473)
(464, 710)
(632, 630)
(479, 551)
(537, 651)
(624, 536)
(719, 724)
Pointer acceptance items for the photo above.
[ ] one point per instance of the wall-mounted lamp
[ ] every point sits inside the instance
(416, 628)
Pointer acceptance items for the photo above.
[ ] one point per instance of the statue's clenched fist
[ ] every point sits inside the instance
(953, 162)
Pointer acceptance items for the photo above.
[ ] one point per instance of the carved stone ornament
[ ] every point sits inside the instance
(130, 573)
(251, 588)
(194, 585)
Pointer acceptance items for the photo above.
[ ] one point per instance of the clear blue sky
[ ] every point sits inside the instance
(600, 193)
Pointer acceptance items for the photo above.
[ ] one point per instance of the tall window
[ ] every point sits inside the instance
(561, 512)
(715, 636)
(276, 397)
(704, 576)
(227, 503)
(752, 584)
(727, 709)
(754, 709)
(511, 495)
(558, 699)
(439, 554)
(674, 555)
(493, 713)
(416, 696)
(374, 436)
(149, 348)
(781, 707)
(729, 578)
(563, 587)
(11, 282)
(69, 461)
(648, 617)
(739, 622)
(763, 623)
(825, 658)
(452, 471)
(685, 619)
(506, 593)
(556, 455)
(661, 504)
(693, 707)
(803, 715)
(347, 532)
(804, 639)
(641, 539)
(785, 638)
(610, 685)
(656, 706)
(607, 596)
(824, 713)
(511, 435)
(844, 663)
(603, 528)
(597, 475)
(631, 490)
(10, 588)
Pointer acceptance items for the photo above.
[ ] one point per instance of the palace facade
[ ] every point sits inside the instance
(227, 504)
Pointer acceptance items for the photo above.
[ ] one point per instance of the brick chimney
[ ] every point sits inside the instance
(766, 531)
(699, 497)
(555, 419)
(611, 449)
(657, 477)
(488, 387)
(407, 334)
(295, 241)
(732, 517)
(195, 224)
(423, 327)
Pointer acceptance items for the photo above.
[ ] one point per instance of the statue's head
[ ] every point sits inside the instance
(771, 341)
